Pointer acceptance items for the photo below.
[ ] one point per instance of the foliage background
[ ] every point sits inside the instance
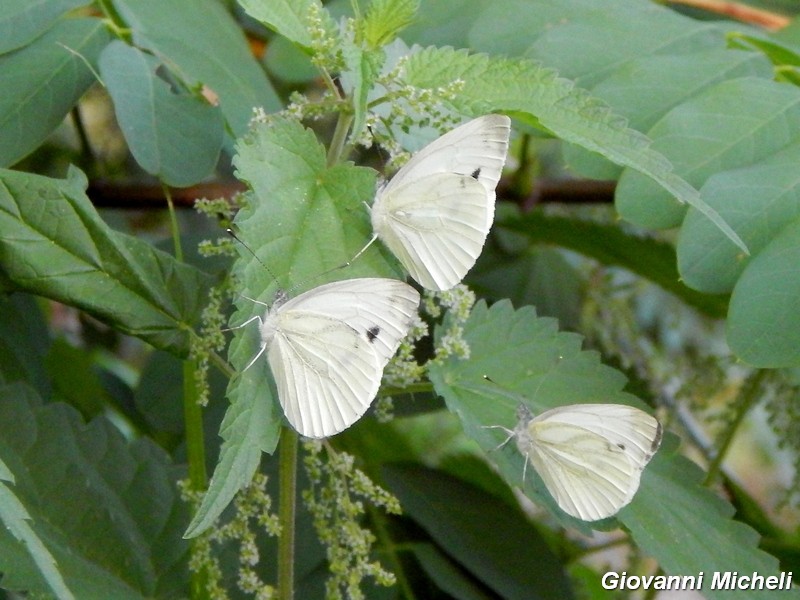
(99, 395)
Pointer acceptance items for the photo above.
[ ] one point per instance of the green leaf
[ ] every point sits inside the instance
(448, 23)
(175, 137)
(24, 342)
(446, 574)
(16, 520)
(202, 43)
(496, 543)
(778, 53)
(289, 18)
(612, 245)
(587, 41)
(54, 244)
(535, 274)
(644, 89)
(23, 20)
(108, 510)
(763, 322)
(689, 530)
(42, 82)
(287, 62)
(385, 19)
(675, 520)
(731, 125)
(758, 201)
(526, 90)
(74, 380)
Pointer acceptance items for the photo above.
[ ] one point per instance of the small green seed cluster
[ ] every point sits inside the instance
(252, 513)
(403, 369)
(337, 513)
(210, 339)
(326, 45)
(458, 303)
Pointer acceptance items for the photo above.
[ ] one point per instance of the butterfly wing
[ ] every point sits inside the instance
(477, 148)
(436, 212)
(436, 227)
(591, 456)
(327, 349)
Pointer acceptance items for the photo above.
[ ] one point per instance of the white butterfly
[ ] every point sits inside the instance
(435, 213)
(589, 456)
(327, 349)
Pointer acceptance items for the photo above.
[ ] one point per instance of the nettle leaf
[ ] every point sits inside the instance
(302, 220)
(688, 529)
(758, 201)
(175, 137)
(107, 509)
(526, 356)
(386, 18)
(531, 92)
(763, 322)
(41, 83)
(54, 244)
(731, 125)
(201, 42)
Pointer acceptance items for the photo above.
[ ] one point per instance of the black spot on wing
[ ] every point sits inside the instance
(372, 333)
(657, 439)
(476, 173)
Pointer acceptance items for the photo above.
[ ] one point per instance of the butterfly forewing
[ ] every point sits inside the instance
(432, 215)
(478, 146)
(327, 349)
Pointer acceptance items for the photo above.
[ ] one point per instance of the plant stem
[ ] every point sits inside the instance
(195, 450)
(339, 138)
(173, 223)
(747, 397)
(287, 481)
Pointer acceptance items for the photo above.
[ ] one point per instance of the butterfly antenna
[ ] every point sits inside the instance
(232, 233)
(352, 260)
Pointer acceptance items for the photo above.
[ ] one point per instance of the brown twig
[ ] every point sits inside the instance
(740, 12)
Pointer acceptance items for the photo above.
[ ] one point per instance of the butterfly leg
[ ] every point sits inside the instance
(511, 435)
(255, 358)
(256, 318)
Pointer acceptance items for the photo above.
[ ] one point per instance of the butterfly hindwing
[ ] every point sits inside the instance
(325, 372)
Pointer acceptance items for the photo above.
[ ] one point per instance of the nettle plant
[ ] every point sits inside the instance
(418, 498)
